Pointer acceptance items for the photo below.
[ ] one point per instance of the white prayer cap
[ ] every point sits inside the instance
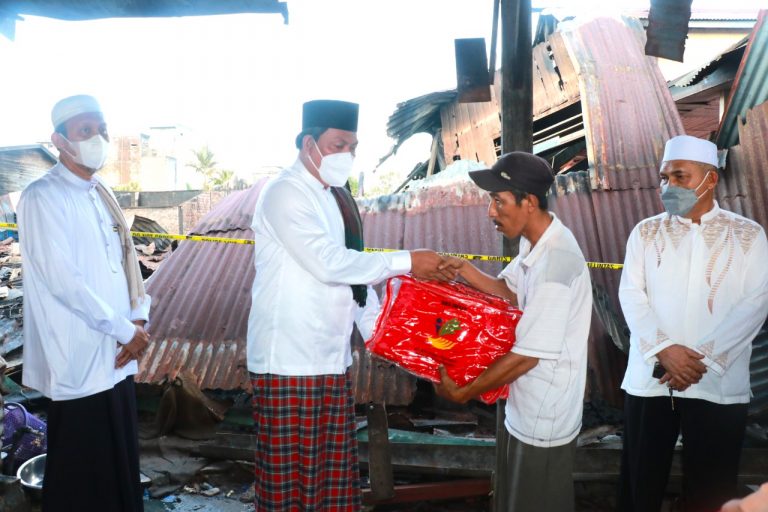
(685, 147)
(72, 106)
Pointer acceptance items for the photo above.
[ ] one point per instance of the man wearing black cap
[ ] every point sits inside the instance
(546, 369)
(312, 284)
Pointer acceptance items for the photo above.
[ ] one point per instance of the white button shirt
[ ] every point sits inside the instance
(554, 291)
(704, 286)
(302, 311)
(76, 303)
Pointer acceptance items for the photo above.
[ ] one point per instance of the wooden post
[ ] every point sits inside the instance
(379, 457)
(516, 135)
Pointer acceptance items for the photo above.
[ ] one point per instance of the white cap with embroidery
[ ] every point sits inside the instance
(685, 147)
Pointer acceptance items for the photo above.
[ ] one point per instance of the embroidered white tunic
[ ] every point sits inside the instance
(76, 303)
(704, 286)
(302, 311)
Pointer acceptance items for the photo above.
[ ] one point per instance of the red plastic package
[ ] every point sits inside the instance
(425, 324)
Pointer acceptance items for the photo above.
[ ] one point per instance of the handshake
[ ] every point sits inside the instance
(427, 264)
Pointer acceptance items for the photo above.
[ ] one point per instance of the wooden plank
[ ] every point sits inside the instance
(380, 464)
(448, 490)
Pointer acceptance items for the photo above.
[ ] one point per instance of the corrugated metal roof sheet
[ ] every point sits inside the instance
(758, 369)
(743, 185)
(628, 110)
(95, 9)
(201, 297)
(668, 28)
(20, 165)
(417, 115)
(750, 88)
(145, 225)
(444, 217)
(696, 75)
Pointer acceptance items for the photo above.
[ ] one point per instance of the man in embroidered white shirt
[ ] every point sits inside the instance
(694, 292)
(84, 316)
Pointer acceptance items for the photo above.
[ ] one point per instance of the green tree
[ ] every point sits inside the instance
(222, 179)
(354, 186)
(132, 186)
(205, 165)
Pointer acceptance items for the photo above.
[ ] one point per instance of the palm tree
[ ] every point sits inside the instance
(222, 179)
(205, 165)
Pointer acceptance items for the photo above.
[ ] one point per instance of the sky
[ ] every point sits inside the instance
(238, 81)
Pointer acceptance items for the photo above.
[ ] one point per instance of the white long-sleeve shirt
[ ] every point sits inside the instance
(76, 303)
(302, 311)
(704, 286)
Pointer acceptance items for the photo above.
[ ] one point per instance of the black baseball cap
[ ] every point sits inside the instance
(518, 170)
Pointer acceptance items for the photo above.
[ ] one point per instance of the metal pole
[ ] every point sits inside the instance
(516, 135)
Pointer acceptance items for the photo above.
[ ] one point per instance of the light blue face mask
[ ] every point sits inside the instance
(680, 201)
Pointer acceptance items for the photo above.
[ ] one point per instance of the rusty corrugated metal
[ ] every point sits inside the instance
(146, 225)
(668, 28)
(743, 187)
(628, 110)
(750, 87)
(450, 217)
(201, 297)
(21, 165)
(758, 369)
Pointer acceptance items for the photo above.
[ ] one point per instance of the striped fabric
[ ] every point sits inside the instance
(306, 448)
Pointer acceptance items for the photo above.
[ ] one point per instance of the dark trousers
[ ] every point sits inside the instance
(712, 440)
(93, 453)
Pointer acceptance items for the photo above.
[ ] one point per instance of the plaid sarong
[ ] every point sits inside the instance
(306, 445)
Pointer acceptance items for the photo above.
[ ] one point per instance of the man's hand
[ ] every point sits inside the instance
(425, 264)
(683, 364)
(674, 383)
(448, 389)
(134, 349)
(452, 263)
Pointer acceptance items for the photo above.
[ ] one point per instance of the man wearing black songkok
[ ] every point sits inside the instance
(312, 284)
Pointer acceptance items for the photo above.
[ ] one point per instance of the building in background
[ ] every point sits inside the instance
(158, 159)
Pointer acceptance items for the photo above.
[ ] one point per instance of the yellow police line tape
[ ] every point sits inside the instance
(242, 241)
(503, 259)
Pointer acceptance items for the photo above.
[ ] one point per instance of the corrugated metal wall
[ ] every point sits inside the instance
(743, 188)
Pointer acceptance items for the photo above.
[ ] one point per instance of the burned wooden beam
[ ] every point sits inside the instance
(433, 491)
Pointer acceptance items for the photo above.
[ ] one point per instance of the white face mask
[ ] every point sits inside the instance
(91, 153)
(335, 168)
